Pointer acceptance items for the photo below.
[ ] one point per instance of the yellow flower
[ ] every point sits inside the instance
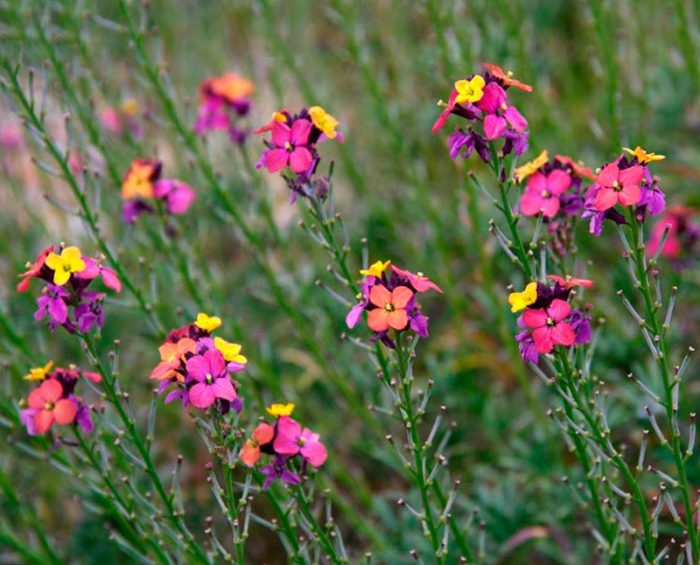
(69, 261)
(520, 300)
(470, 90)
(38, 373)
(642, 156)
(278, 409)
(376, 269)
(138, 181)
(206, 322)
(130, 107)
(524, 171)
(324, 121)
(230, 351)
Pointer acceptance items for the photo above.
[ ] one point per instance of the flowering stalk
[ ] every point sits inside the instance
(659, 332)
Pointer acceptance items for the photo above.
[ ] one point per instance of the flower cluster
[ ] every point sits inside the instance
(483, 101)
(142, 184)
(554, 188)
(66, 300)
(200, 367)
(54, 400)
(625, 182)
(388, 294)
(548, 319)
(291, 448)
(681, 243)
(223, 99)
(292, 148)
(122, 118)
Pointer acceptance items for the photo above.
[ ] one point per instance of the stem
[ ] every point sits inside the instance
(318, 531)
(109, 381)
(652, 322)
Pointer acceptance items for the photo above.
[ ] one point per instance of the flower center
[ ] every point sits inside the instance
(49, 406)
(545, 194)
(617, 187)
(550, 322)
(389, 307)
(66, 267)
(301, 441)
(288, 146)
(208, 378)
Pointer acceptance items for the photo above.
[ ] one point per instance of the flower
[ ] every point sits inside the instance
(680, 245)
(278, 470)
(577, 167)
(50, 407)
(291, 440)
(418, 281)
(172, 355)
(549, 327)
(222, 100)
(506, 78)
(206, 322)
(178, 196)
(524, 171)
(542, 193)
(376, 269)
(324, 121)
(213, 381)
(38, 373)
(391, 308)
(69, 261)
(34, 269)
(278, 409)
(471, 90)
(643, 156)
(139, 179)
(526, 347)
(289, 147)
(618, 186)
(520, 300)
(53, 303)
(93, 269)
(230, 351)
(262, 435)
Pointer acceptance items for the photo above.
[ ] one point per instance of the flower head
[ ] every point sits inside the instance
(34, 270)
(390, 311)
(324, 121)
(207, 323)
(471, 90)
(68, 262)
(506, 78)
(139, 179)
(520, 300)
(212, 379)
(618, 186)
(418, 281)
(549, 327)
(376, 269)
(262, 435)
(50, 407)
(171, 357)
(289, 147)
(291, 440)
(543, 191)
(642, 156)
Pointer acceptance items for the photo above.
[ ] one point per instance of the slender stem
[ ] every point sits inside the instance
(316, 528)
(662, 361)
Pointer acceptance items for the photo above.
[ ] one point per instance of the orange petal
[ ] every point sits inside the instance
(43, 421)
(379, 295)
(263, 434)
(250, 454)
(397, 319)
(377, 320)
(401, 296)
(64, 412)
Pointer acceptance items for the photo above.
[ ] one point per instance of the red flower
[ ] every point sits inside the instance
(618, 186)
(549, 328)
(33, 270)
(46, 399)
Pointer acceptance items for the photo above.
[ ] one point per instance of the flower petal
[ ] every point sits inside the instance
(494, 126)
(315, 453)
(535, 318)
(377, 320)
(202, 395)
(300, 160)
(563, 334)
(64, 411)
(281, 133)
(397, 319)
(300, 132)
(223, 388)
(379, 296)
(558, 181)
(43, 421)
(275, 159)
(401, 296)
(558, 309)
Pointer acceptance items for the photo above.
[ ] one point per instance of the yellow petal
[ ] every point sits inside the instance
(521, 300)
(206, 322)
(53, 261)
(38, 373)
(71, 254)
(376, 269)
(278, 409)
(524, 171)
(60, 276)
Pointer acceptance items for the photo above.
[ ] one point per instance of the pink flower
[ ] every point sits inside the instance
(493, 99)
(495, 126)
(418, 281)
(542, 193)
(291, 439)
(213, 381)
(571, 282)
(548, 326)
(618, 186)
(445, 114)
(93, 270)
(289, 147)
(50, 407)
(178, 195)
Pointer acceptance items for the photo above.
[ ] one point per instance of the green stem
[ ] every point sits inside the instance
(316, 528)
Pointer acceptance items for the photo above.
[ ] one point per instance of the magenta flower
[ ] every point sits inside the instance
(291, 440)
(618, 186)
(93, 269)
(419, 281)
(542, 193)
(289, 147)
(495, 126)
(178, 195)
(549, 327)
(213, 381)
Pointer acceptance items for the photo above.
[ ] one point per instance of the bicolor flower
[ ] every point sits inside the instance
(291, 440)
(64, 265)
(171, 358)
(34, 269)
(94, 269)
(140, 178)
(548, 326)
(570, 282)
(418, 281)
(524, 171)
(390, 311)
(262, 435)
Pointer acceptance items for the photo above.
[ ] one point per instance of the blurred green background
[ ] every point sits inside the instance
(605, 74)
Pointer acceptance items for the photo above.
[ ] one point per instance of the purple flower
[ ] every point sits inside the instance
(53, 303)
(89, 313)
(83, 418)
(133, 209)
(27, 418)
(653, 199)
(278, 470)
(582, 326)
(526, 347)
(464, 143)
(418, 322)
(178, 196)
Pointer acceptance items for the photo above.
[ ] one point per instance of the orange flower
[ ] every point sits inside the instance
(171, 356)
(229, 86)
(250, 453)
(391, 308)
(506, 77)
(139, 179)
